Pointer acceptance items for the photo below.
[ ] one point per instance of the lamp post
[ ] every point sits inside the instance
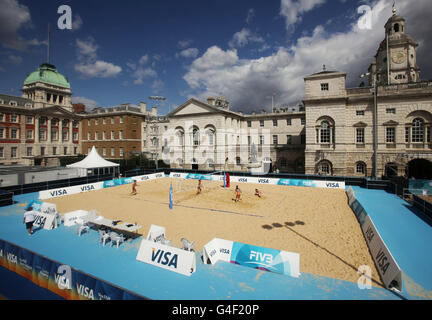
(375, 121)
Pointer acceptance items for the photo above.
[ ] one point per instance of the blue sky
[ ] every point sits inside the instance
(126, 51)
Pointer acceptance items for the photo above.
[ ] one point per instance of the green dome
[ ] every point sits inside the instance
(47, 73)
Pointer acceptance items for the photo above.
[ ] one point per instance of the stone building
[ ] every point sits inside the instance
(340, 121)
(209, 136)
(39, 127)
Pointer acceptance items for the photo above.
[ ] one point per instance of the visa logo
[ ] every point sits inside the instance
(62, 281)
(332, 185)
(87, 188)
(242, 180)
(85, 291)
(176, 175)
(1, 253)
(144, 178)
(165, 258)
(11, 258)
(263, 181)
(261, 257)
(57, 193)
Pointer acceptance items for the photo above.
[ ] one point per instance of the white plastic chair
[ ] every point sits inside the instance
(187, 245)
(103, 236)
(118, 238)
(83, 228)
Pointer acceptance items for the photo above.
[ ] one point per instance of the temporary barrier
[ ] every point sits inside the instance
(263, 180)
(167, 257)
(62, 280)
(74, 217)
(271, 260)
(387, 266)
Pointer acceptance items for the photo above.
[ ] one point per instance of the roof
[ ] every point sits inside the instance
(93, 160)
(19, 100)
(47, 73)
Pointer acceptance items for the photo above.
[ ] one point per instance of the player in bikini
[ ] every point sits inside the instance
(134, 191)
(258, 193)
(238, 194)
(199, 188)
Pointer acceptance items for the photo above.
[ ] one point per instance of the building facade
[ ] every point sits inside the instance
(340, 121)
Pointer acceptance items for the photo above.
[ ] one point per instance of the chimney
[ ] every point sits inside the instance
(143, 107)
(154, 111)
(211, 101)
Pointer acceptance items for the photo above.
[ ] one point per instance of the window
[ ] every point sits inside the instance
(324, 168)
(65, 135)
(89, 122)
(75, 136)
(249, 140)
(196, 137)
(75, 150)
(261, 123)
(112, 120)
(104, 152)
(14, 133)
(121, 119)
(325, 132)
(303, 121)
(261, 140)
(54, 149)
(391, 110)
(1, 117)
(96, 136)
(121, 152)
(88, 136)
(238, 161)
(14, 118)
(112, 135)
(112, 152)
(249, 124)
(407, 134)
(42, 135)
(104, 135)
(324, 87)
(1, 152)
(360, 135)
(360, 113)
(29, 120)
(418, 130)
(104, 121)
(13, 103)
(54, 135)
(42, 121)
(96, 122)
(14, 152)
(54, 122)
(283, 163)
(275, 139)
(360, 168)
(121, 135)
(275, 123)
(289, 139)
(65, 150)
(288, 122)
(2, 132)
(29, 134)
(210, 135)
(65, 123)
(390, 135)
(42, 151)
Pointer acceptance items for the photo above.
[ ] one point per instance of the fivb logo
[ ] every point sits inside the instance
(63, 277)
(365, 22)
(263, 258)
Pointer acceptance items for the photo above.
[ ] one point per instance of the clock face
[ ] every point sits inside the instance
(398, 57)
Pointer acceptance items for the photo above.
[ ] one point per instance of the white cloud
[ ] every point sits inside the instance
(182, 44)
(15, 59)
(157, 86)
(77, 23)
(293, 10)
(89, 65)
(244, 37)
(188, 53)
(140, 70)
(89, 103)
(248, 83)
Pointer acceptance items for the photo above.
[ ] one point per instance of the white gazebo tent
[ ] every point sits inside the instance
(94, 164)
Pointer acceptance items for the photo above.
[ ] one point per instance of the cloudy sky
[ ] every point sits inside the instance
(246, 50)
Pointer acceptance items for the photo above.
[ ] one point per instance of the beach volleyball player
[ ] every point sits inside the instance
(238, 194)
(134, 191)
(199, 188)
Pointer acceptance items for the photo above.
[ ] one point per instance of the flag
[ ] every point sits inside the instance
(170, 198)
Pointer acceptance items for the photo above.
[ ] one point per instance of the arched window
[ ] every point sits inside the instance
(396, 27)
(324, 168)
(361, 168)
(196, 139)
(179, 135)
(210, 135)
(325, 132)
(418, 130)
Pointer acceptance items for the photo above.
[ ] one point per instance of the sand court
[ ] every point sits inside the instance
(316, 223)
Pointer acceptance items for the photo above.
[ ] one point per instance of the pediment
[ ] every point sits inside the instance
(192, 107)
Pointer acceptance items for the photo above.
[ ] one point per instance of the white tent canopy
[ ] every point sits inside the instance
(92, 161)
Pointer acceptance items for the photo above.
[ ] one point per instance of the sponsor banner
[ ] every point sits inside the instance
(387, 266)
(74, 217)
(59, 279)
(54, 193)
(167, 257)
(45, 221)
(156, 233)
(263, 180)
(271, 260)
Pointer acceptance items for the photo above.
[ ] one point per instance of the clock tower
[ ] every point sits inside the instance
(396, 59)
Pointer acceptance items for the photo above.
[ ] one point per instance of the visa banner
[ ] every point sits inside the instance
(167, 257)
(266, 259)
